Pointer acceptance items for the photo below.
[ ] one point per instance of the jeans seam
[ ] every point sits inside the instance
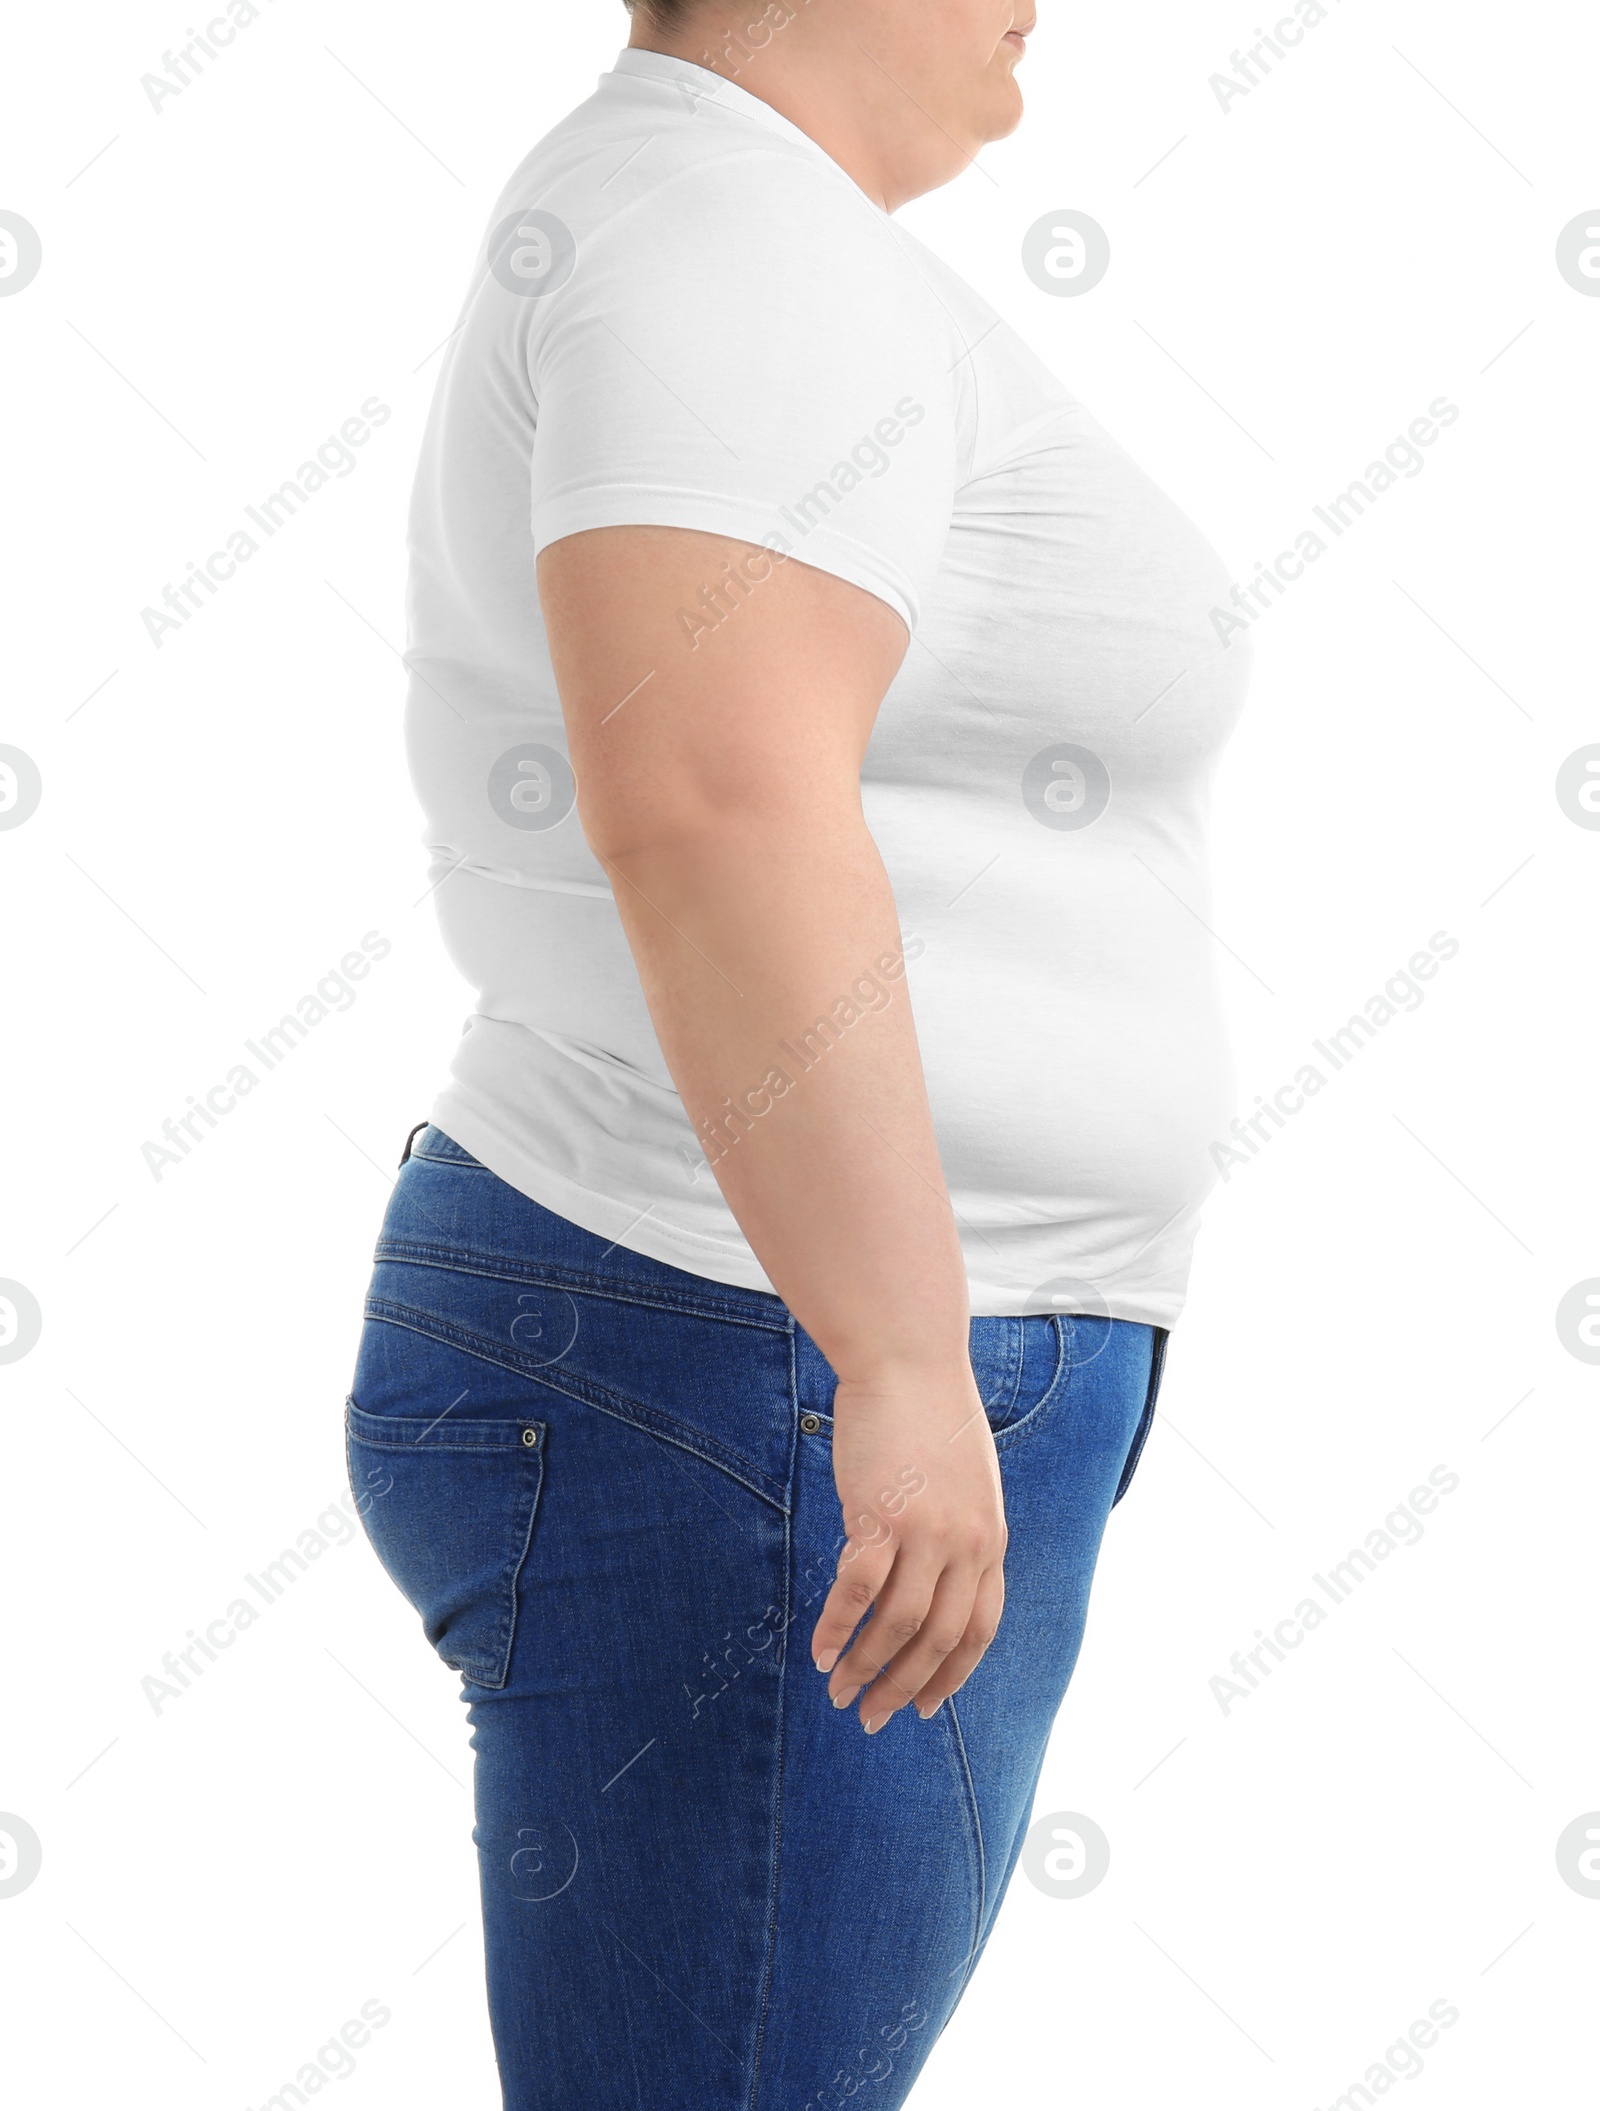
(1005, 1398)
(536, 1460)
(764, 1997)
(504, 1268)
(584, 1390)
(976, 1818)
(507, 1440)
(1158, 1358)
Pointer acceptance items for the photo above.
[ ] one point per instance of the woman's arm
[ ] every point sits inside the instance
(718, 761)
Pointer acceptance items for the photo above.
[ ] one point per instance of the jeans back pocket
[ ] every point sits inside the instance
(449, 1506)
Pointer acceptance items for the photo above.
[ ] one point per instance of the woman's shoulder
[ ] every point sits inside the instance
(667, 190)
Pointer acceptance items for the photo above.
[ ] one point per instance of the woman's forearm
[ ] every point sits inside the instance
(770, 954)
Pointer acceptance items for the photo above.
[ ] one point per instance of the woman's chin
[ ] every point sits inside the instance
(1007, 113)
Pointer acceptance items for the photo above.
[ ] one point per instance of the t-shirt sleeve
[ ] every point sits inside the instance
(751, 350)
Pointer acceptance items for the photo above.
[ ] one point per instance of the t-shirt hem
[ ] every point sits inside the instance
(713, 514)
(623, 1223)
(675, 1246)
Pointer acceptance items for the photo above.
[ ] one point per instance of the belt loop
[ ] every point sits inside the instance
(411, 1139)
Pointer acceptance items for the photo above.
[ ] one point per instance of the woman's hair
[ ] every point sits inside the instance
(665, 14)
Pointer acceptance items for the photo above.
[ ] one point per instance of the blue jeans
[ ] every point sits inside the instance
(605, 1485)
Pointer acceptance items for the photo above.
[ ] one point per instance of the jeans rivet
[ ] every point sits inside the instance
(810, 1424)
(530, 1437)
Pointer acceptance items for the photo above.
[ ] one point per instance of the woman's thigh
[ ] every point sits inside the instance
(607, 1487)
(897, 1848)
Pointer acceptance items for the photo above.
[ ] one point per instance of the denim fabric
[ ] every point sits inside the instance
(606, 1487)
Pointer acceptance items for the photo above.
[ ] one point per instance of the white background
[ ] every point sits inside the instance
(1371, 1830)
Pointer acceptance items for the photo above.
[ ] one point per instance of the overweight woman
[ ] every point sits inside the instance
(813, 709)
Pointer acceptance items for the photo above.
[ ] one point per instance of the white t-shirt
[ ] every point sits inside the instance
(686, 314)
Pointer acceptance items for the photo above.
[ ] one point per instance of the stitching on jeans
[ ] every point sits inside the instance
(977, 1841)
(1158, 1358)
(585, 1390)
(498, 1655)
(535, 1459)
(506, 1436)
(1011, 1373)
(780, 1743)
(1025, 1425)
(462, 1165)
(505, 1268)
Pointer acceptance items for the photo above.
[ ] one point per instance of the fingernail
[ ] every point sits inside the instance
(843, 1700)
(927, 1714)
(827, 1660)
(874, 1723)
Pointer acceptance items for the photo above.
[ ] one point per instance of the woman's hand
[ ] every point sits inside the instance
(925, 1529)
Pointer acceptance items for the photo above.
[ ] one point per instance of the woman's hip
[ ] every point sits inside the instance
(607, 1488)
